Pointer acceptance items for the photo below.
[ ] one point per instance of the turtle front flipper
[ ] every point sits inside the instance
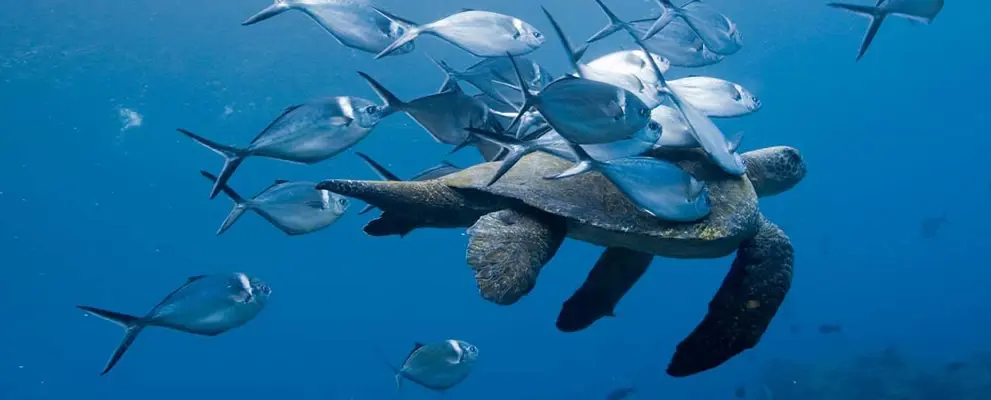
(743, 307)
(508, 248)
(616, 271)
(408, 205)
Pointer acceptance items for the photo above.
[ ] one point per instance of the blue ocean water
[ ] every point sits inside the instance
(97, 213)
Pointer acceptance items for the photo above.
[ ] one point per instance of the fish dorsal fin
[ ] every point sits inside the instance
(416, 346)
(446, 163)
(284, 112)
(467, 9)
(280, 181)
(274, 184)
(381, 171)
(189, 280)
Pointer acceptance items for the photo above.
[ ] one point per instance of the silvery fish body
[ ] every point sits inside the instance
(438, 366)
(659, 187)
(205, 305)
(307, 133)
(585, 111)
(211, 305)
(719, 34)
(668, 35)
(656, 186)
(316, 131)
(296, 208)
(675, 131)
(628, 82)
(678, 44)
(633, 62)
(716, 97)
(354, 23)
(553, 143)
(481, 33)
(445, 115)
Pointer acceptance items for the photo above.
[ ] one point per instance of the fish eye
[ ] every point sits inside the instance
(653, 125)
(537, 35)
(342, 201)
(371, 109)
(754, 99)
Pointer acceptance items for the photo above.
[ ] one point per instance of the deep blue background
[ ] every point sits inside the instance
(92, 215)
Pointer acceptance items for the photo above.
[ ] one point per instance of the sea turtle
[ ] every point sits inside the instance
(518, 223)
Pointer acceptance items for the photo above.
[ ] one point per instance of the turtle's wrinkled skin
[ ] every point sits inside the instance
(518, 223)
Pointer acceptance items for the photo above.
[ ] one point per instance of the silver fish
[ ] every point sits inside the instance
(296, 208)
(481, 33)
(633, 62)
(585, 111)
(354, 23)
(704, 130)
(438, 366)
(444, 115)
(547, 140)
(443, 169)
(482, 74)
(205, 305)
(718, 32)
(716, 97)
(657, 187)
(675, 131)
(923, 11)
(306, 133)
(677, 42)
(626, 81)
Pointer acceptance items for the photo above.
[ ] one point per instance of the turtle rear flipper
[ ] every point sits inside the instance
(508, 248)
(616, 271)
(743, 307)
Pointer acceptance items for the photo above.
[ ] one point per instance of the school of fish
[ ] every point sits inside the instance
(603, 115)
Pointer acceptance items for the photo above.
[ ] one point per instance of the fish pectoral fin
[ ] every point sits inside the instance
(341, 120)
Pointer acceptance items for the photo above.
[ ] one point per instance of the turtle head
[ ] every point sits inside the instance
(774, 170)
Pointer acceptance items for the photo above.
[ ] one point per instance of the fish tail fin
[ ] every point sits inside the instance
(585, 164)
(517, 149)
(876, 17)
(615, 24)
(569, 49)
(132, 327)
(279, 7)
(411, 33)
(240, 205)
(668, 13)
(528, 99)
(450, 75)
(233, 157)
(392, 103)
